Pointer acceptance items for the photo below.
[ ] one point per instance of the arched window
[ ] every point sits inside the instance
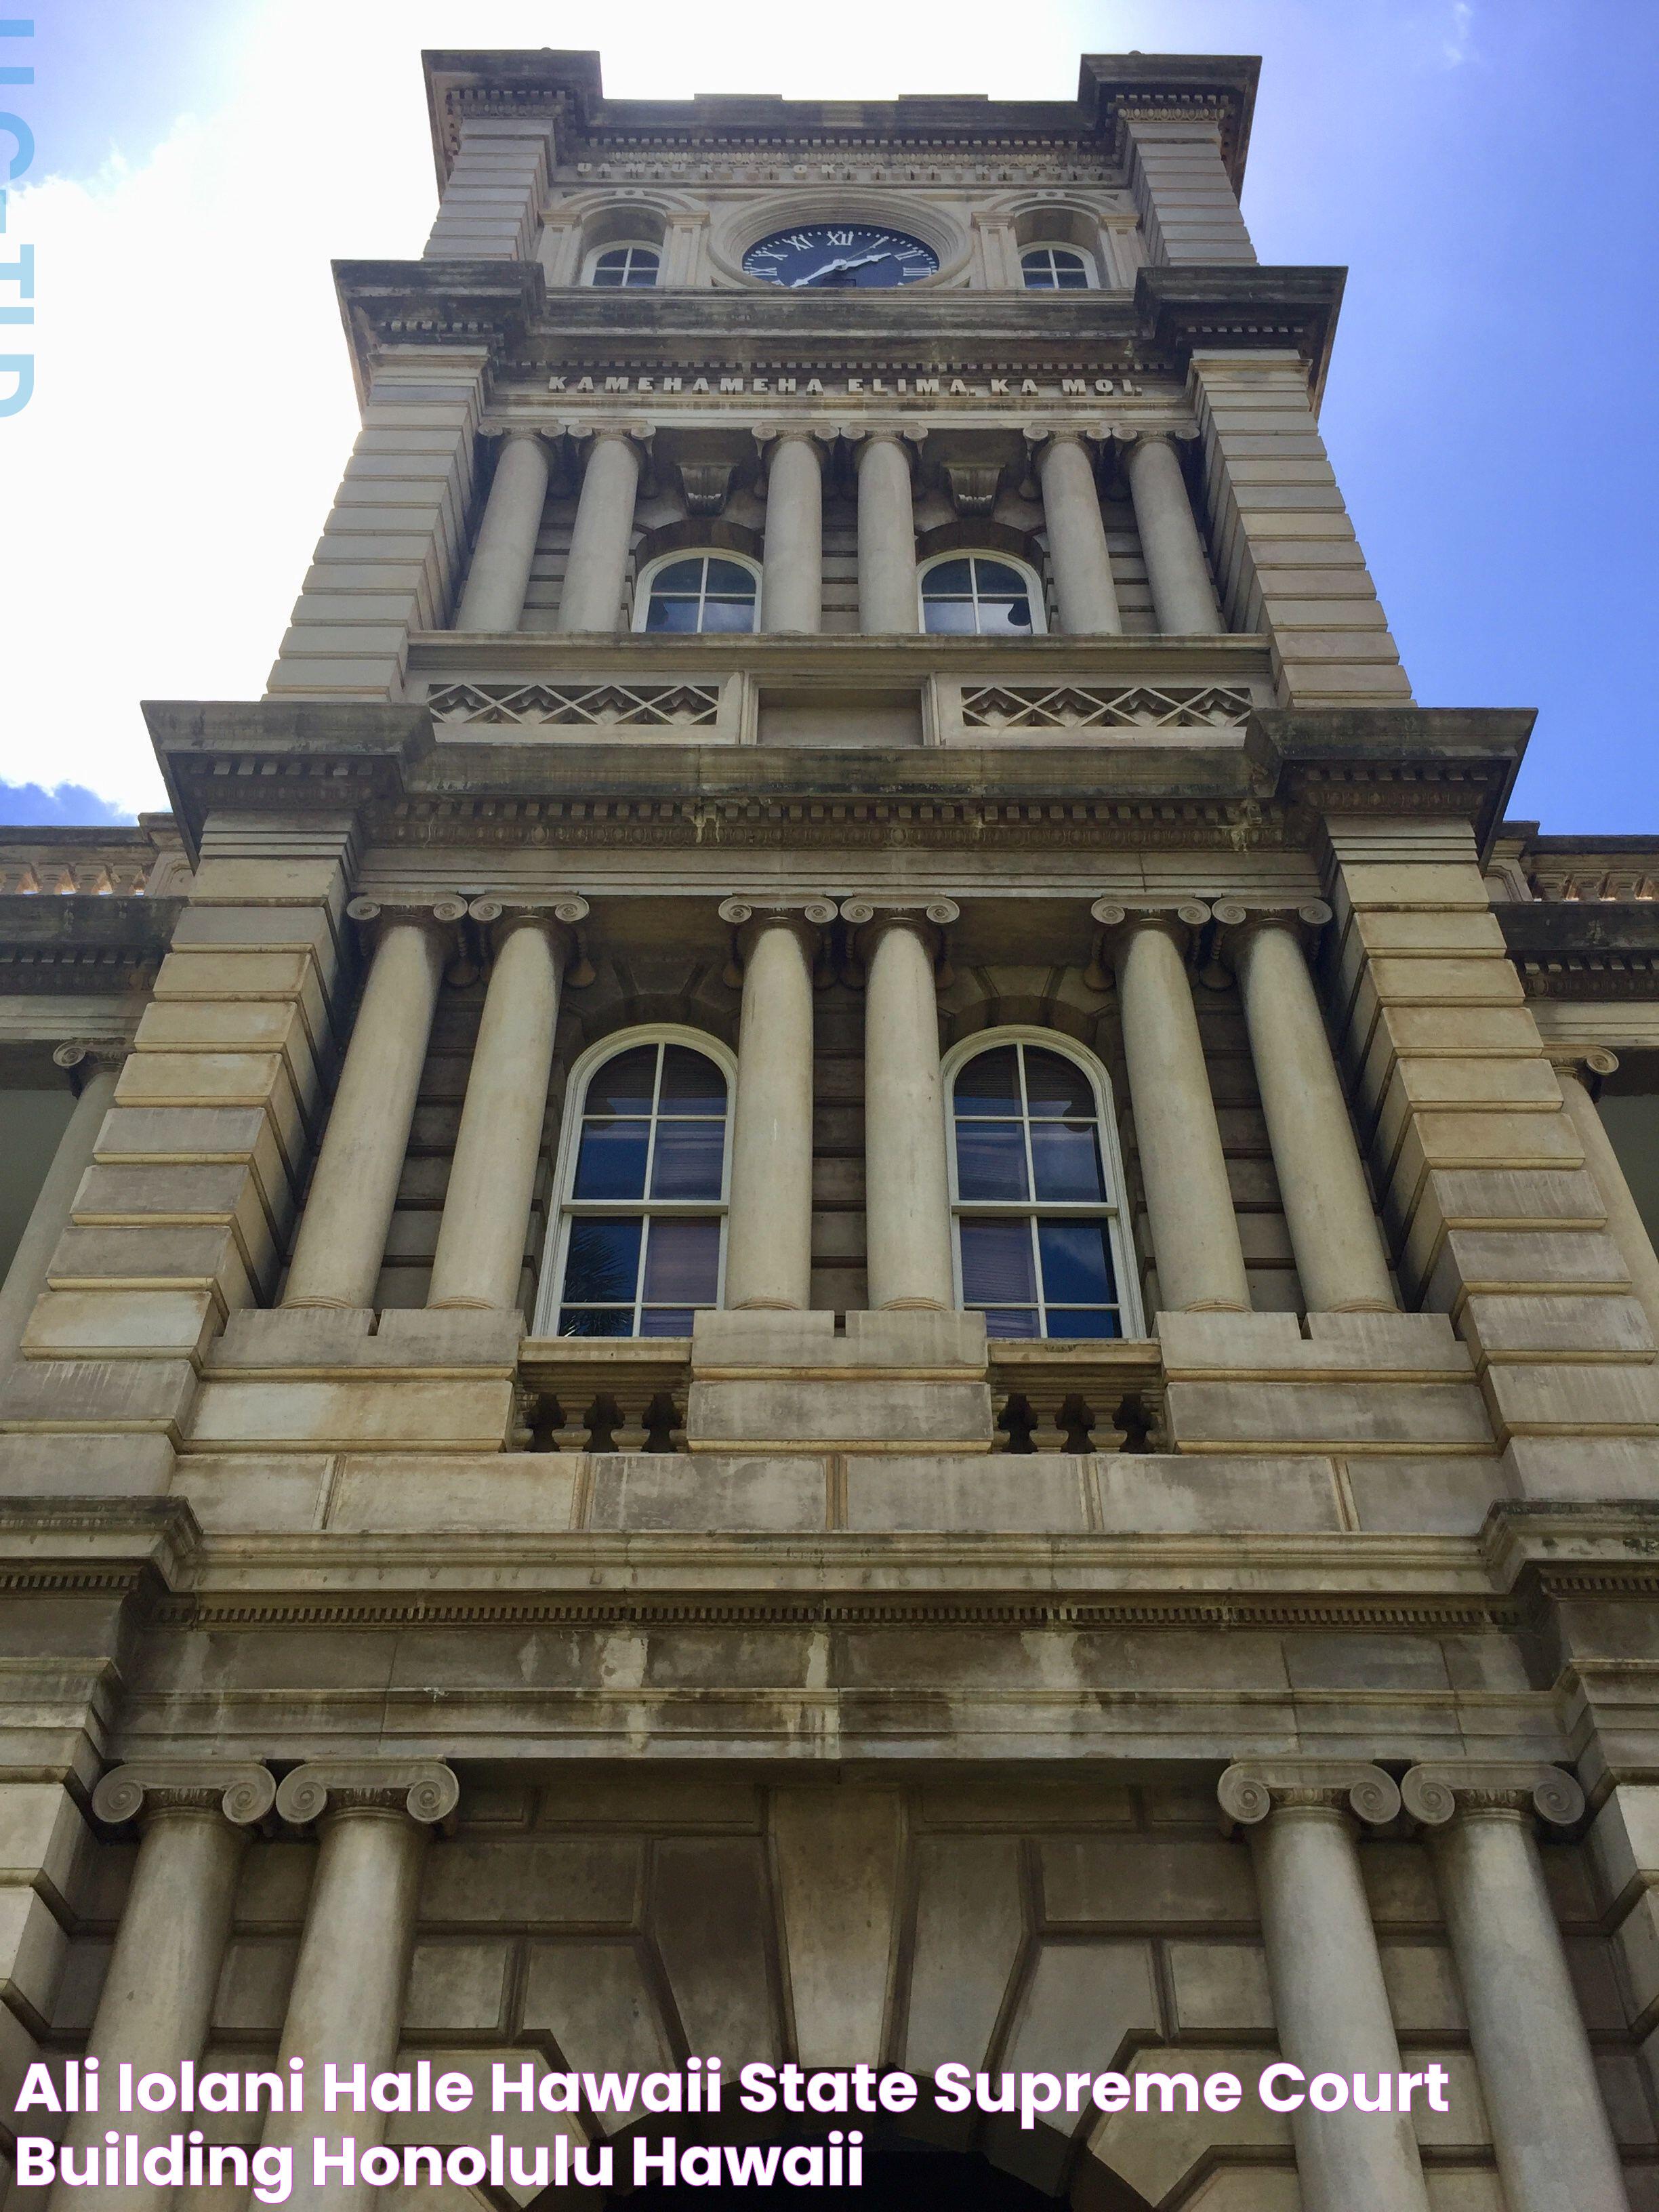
(631, 266)
(640, 1242)
(979, 595)
(1055, 269)
(1041, 1246)
(683, 593)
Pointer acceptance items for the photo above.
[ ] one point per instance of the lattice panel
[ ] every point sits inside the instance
(1069, 707)
(595, 706)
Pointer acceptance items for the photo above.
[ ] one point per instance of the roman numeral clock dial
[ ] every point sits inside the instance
(836, 256)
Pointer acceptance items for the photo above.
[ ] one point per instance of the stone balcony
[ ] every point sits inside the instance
(887, 691)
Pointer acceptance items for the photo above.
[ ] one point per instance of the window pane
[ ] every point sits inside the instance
(1057, 1087)
(691, 1082)
(1076, 1263)
(996, 576)
(665, 1320)
(596, 1321)
(611, 1161)
(950, 618)
(1011, 1320)
(623, 1086)
(689, 1158)
(683, 1262)
(616, 258)
(996, 1261)
(727, 616)
(1070, 280)
(602, 1261)
(731, 578)
(990, 1159)
(1084, 1321)
(989, 1083)
(1066, 1158)
(947, 578)
(1004, 618)
(607, 276)
(680, 576)
(677, 616)
(643, 275)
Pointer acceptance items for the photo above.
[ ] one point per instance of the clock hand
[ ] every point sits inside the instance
(829, 268)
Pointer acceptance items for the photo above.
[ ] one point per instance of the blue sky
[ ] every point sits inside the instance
(1485, 169)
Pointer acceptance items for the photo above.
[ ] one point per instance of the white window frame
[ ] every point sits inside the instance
(564, 1209)
(1091, 268)
(1035, 592)
(646, 577)
(591, 263)
(1113, 1210)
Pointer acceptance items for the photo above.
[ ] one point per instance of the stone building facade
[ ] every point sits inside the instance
(835, 1232)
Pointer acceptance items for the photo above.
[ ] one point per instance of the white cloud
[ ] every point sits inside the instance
(1458, 39)
(193, 404)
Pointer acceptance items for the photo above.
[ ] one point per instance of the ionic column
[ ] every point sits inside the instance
(1190, 1201)
(768, 1238)
(1183, 597)
(49, 1217)
(592, 597)
(907, 1180)
(1624, 1224)
(492, 1180)
(346, 2002)
(1076, 538)
(506, 546)
(792, 567)
(887, 535)
(157, 2001)
(1551, 2136)
(1329, 2004)
(1327, 1200)
(342, 1239)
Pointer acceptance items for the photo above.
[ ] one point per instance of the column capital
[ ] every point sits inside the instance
(557, 914)
(93, 1056)
(819, 437)
(635, 431)
(534, 433)
(1440, 1789)
(241, 1791)
(1241, 918)
(1251, 1788)
(1179, 920)
(430, 913)
(929, 918)
(806, 919)
(423, 1789)
(1129, 437)
(1578, 1060)
(1040, 435)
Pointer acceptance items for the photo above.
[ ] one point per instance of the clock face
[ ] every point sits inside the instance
(836, 256)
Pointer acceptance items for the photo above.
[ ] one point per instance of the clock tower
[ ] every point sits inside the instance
(843, 1266)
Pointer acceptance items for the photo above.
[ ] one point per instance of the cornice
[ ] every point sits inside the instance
(1593, 949)
(506, 308)
(384, 764)
(63, 943)
(566, 87)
